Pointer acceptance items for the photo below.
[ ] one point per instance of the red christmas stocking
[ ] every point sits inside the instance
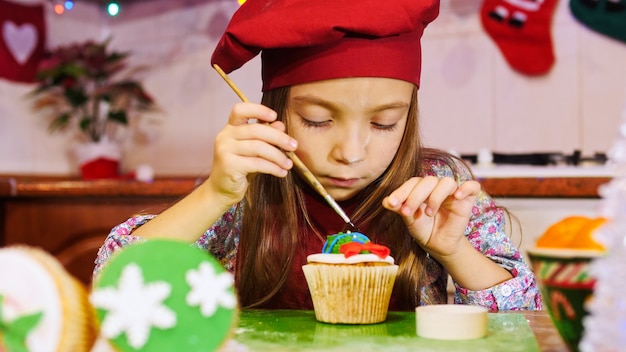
(522, 31)
(22, 40)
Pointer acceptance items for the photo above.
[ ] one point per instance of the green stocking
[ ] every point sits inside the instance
(603, 16)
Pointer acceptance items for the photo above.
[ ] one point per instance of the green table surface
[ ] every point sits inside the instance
(297, 330)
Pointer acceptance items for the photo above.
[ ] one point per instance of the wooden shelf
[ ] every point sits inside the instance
(556, 187)
(41, 186)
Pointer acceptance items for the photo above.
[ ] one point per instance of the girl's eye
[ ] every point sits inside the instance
(314, 124)
(382, 127)
(319, 124)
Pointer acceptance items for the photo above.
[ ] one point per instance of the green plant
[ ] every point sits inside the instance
(82, 85)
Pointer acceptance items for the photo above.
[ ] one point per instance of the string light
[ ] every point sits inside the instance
(113, 9)
(60, 6)
(59, 9)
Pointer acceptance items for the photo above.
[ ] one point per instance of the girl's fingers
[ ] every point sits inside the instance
(261, 150)
(266, 128)
(245, 148)
(270, 134)
(421, 193)
(468, 189)
(252, 157)
(427, 194)
(409, 197)
(444, 188)
(249, 165)
(397, 198)
(242, 113)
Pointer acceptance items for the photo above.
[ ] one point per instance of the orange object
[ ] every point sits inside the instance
(574, 232)
(584, 238)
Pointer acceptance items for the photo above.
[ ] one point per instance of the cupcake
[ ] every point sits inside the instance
(164, 295)
(351, 280)
(42, 307)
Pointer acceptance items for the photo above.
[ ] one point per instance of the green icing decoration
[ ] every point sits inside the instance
(13, 334)
(170, 261)
(334, 242)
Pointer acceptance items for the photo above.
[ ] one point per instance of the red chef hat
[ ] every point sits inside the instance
(310, 40)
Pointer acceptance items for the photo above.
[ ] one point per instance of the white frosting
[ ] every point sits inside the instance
(332, 258)
(210, 289)
(29, 288)
(134, 307)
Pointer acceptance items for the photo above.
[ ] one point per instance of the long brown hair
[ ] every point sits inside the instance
(268, 240)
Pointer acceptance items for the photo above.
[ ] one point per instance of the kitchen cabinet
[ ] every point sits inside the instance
(71, 218)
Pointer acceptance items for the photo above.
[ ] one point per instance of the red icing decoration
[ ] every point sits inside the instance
(352, 248)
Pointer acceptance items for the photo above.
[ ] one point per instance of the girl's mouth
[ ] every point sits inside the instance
(343, 182)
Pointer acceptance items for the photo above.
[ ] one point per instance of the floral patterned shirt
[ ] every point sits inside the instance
(485, 231)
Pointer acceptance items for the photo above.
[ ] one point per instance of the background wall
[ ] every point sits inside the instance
(470, 98)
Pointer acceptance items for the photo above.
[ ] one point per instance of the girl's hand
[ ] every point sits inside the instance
(436, 211)
(243, 148)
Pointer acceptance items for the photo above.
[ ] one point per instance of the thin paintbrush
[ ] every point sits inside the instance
(306, 173)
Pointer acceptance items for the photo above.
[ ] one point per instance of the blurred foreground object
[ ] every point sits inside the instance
(605, 327)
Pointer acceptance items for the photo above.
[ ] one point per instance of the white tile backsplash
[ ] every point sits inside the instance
(456, 107)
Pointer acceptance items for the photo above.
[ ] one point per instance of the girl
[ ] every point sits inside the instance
(340, 90)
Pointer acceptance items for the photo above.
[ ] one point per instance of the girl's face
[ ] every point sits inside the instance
(349, 129)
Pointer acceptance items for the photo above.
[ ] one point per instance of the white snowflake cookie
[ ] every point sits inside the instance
(164, 295)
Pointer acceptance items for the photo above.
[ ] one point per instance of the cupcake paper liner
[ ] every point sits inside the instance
(350, 294)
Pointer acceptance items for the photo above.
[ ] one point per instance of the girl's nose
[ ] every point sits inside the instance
(351, 147)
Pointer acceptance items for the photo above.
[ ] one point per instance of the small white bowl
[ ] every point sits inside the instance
(451, 321)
